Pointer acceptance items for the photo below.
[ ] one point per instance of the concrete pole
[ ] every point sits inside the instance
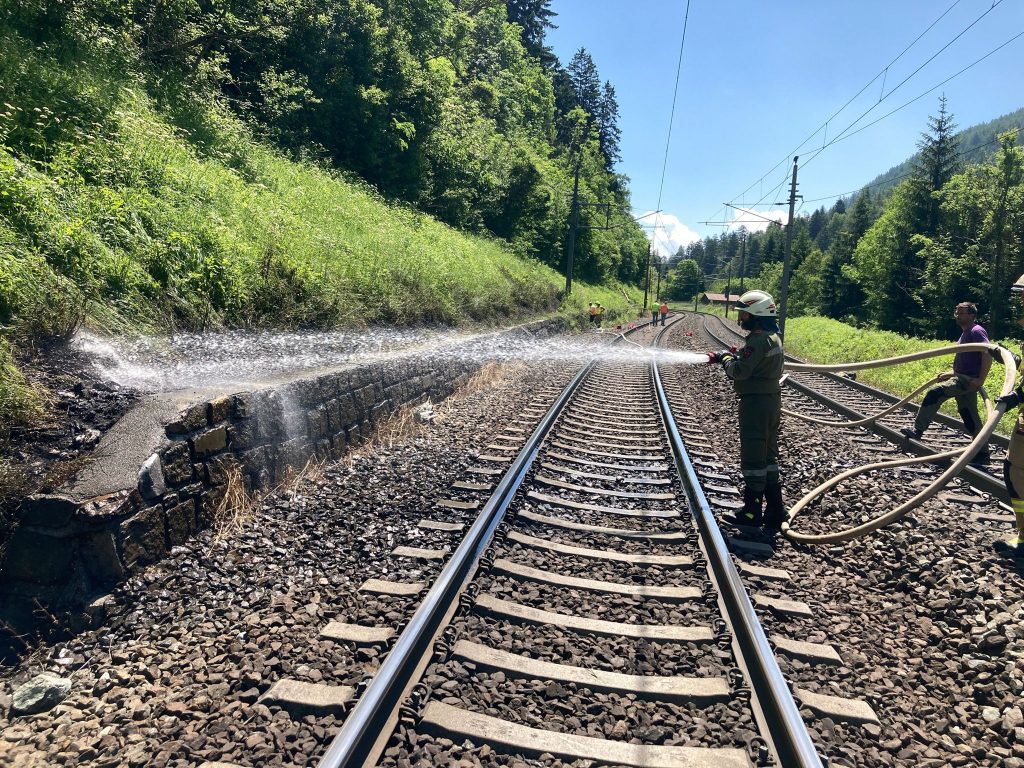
(784, 289)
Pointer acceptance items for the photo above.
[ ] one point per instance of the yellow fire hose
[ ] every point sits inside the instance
(993, 414)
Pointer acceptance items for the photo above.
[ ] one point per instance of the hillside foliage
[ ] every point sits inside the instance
(434, 103)
(193, 164)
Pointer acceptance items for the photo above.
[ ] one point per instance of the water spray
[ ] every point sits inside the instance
(961, 456)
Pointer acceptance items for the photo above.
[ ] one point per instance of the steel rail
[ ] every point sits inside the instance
(359, 740)
(976, 478)
(782, 726)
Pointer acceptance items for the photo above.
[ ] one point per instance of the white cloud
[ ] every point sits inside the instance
(667, 233)
(756, 221)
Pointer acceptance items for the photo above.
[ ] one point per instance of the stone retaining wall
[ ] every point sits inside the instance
(66, 551)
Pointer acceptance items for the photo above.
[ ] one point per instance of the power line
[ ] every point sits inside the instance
(916, 98)
(672, 112)
(909, 173)
(881, 98)
(904, 81)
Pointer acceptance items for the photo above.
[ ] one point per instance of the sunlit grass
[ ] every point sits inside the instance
(827, 341)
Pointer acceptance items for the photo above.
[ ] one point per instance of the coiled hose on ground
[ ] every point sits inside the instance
(993, 413)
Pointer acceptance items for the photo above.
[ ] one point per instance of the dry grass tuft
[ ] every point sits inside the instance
(399, 428)
(237, 506)
(311, 472)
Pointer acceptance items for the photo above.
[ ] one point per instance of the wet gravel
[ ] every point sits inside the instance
(925, 615)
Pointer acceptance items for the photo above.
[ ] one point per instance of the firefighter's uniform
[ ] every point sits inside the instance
(1013, 469)
(755, 371)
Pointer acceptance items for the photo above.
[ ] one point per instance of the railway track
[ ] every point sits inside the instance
(854, 400)
(591, 610)
(255, 652)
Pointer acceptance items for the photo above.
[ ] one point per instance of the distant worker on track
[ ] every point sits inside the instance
(654, 313)
(1013, 465)
(970, 369)
(592, 313)
(755, 371)
(599, 315)
(664, 311)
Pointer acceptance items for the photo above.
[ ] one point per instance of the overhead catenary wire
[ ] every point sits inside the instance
(671, 121)
(881, 73)
(882, 97)
(909, 173)
(847, 133)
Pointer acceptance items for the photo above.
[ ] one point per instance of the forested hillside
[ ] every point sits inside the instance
(304, 164)
(977, 144)
(951, 231)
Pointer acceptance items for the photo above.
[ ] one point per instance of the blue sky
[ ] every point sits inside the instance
(758, 78)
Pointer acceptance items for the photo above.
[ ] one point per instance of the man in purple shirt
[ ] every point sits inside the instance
(970, 369)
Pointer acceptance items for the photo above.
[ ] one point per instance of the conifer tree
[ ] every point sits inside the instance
(937, 163)
(608, 126)
(586, 83)
(534, 16)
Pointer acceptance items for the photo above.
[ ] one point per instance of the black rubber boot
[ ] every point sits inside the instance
(750, 516)
(774, 508)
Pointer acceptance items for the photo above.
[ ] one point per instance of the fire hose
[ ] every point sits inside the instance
(994, 412)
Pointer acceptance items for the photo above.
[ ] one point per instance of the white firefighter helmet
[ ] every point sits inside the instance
(757, 303)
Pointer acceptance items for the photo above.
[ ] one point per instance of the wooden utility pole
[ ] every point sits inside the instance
(573, 220)
(784, 290)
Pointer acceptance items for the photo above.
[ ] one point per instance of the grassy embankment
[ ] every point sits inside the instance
(137, 210)
(826, 341)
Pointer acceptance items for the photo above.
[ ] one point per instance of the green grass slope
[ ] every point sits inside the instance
(133, 209)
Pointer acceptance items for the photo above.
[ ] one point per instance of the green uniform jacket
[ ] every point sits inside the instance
(757, 367)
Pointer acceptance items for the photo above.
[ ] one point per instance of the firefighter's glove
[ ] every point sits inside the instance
(1011, 400)
(722, 356)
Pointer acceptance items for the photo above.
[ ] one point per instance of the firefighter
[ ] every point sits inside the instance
(755, 371)
(1013, 465)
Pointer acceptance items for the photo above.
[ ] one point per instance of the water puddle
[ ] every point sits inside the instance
(239, 358)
